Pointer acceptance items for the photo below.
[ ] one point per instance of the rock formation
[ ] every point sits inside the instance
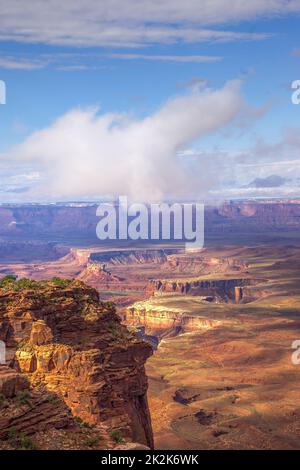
(96, 275)
(62, 339)
(162, 320)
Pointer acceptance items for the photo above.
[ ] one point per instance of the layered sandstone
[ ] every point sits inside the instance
(131, 257)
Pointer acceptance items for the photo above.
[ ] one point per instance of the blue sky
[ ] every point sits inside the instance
(52, 65)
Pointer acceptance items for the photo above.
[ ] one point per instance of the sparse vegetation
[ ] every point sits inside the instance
(11, 282)
(25, 283)
(59, 282)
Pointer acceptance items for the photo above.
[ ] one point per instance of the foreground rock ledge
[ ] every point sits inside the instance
(60, 337)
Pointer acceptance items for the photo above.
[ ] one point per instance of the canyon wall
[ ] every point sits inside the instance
(222, 289)
(130, 257)
(71, 222)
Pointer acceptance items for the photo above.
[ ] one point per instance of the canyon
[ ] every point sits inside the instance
(213, 329)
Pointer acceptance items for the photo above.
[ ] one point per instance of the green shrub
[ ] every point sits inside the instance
(78, 420)
(8, 281)
(13, 437)
(20, 441)
(2, 399)
(25, 283)
(9, 278)
(26, 443)
(23, 397)
(53, 400)
(82, 423)
(92, 441)
(116, 436)
(113, 329)
(109, 304)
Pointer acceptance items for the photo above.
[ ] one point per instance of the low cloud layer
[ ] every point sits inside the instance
(85, 152)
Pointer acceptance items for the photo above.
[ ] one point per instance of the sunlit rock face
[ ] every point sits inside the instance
(159, 319)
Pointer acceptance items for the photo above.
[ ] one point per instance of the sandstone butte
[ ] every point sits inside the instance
(71, 367)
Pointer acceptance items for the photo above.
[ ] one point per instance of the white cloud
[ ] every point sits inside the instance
(168, 58)
(21, 64)
(131, 23)
(73, 68)
(127, 36)
(80, 62)
(85, 152)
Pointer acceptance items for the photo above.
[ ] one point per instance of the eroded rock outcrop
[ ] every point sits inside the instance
(62, 338)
